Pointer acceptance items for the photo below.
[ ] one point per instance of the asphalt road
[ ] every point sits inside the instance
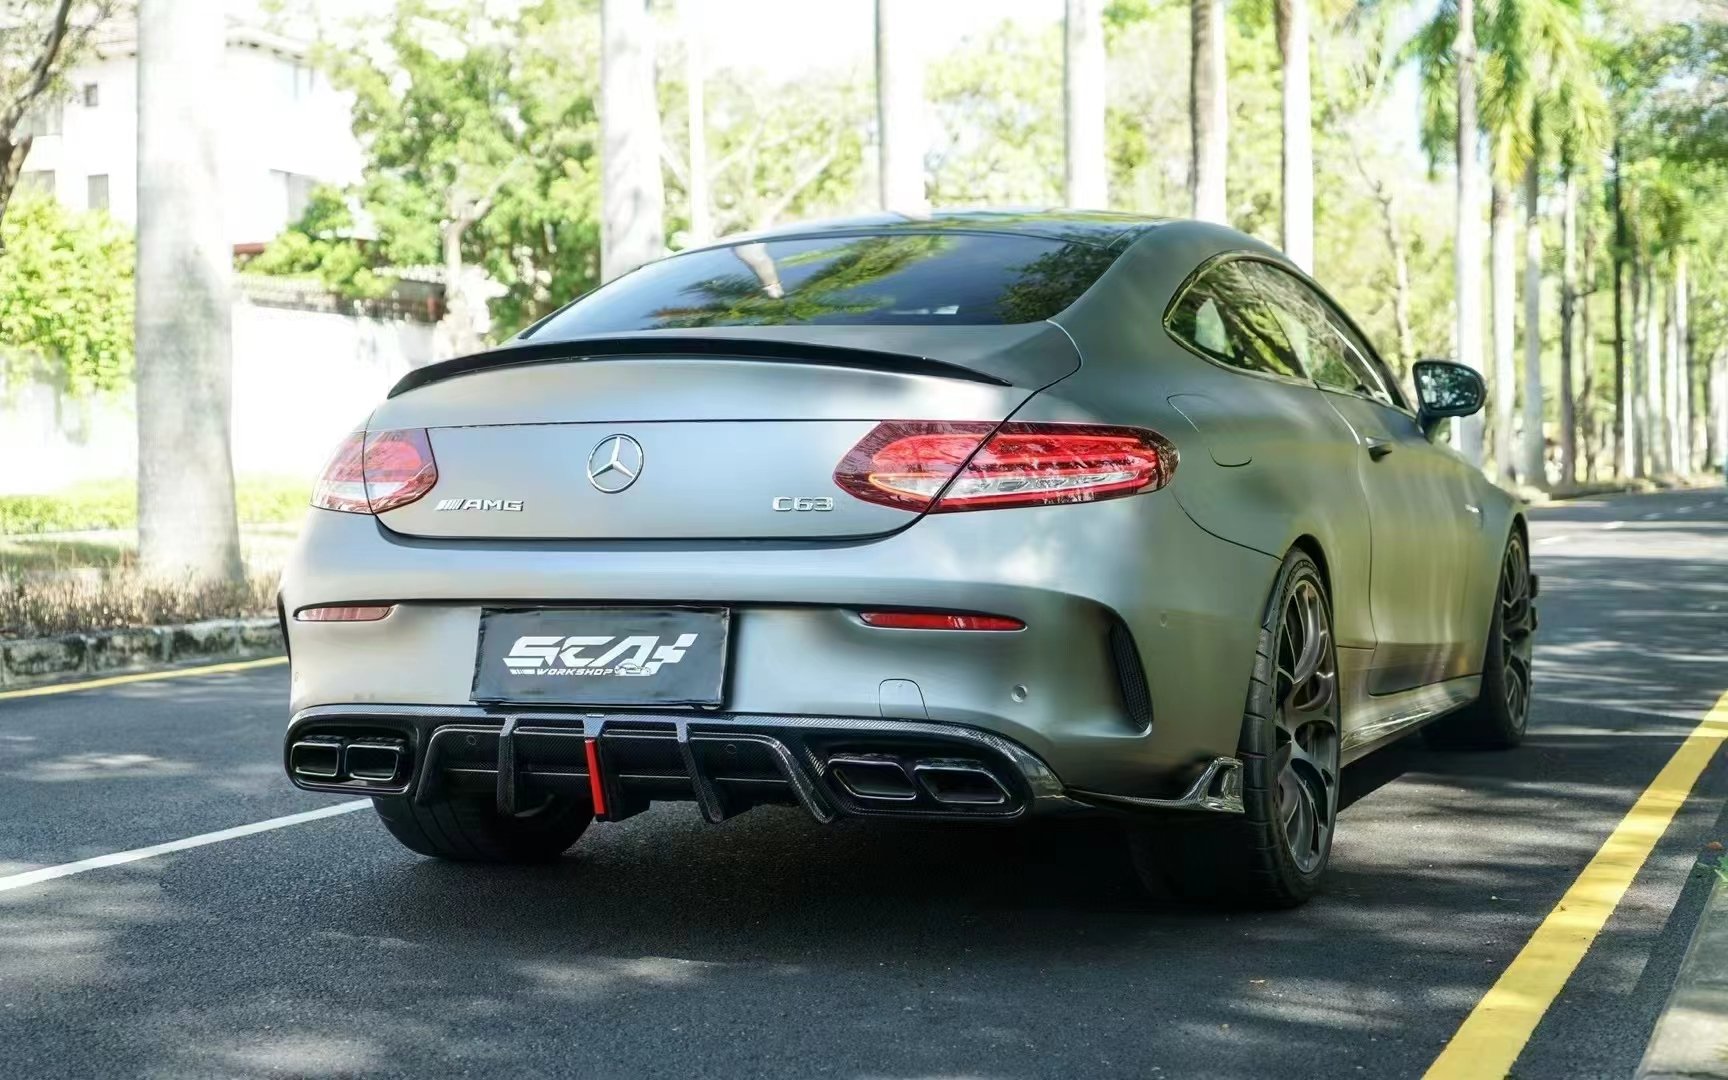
(770, 946)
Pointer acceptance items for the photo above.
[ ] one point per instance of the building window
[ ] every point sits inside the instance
(90, 95)
(38, 180)
(43, 119)
(296, 79)
(96, 192)
(296, 194)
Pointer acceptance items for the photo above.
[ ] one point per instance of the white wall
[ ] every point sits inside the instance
(302, 379)
(277, 114)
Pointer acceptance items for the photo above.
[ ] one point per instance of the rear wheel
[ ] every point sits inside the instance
(1497, 719)
(1274, 853)
(470, 828)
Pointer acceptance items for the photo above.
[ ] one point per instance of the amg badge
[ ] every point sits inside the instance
(479, 504)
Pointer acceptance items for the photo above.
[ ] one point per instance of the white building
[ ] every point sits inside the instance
(283, 130)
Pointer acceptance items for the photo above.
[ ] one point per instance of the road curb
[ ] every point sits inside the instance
(43, 661)
(1691, 1036)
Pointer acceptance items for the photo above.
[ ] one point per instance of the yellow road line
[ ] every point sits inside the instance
(1493, 1035)
(143, 676)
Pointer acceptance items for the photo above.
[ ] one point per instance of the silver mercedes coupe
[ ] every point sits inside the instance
(970, 517)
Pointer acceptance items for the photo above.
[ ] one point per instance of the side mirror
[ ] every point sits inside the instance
(1445, 389)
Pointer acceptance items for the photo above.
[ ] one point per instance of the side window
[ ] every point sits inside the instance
(1335, 362)
(1372, 361)
(1222, 315)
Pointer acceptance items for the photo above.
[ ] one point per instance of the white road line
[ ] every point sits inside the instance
(1553, 539)
(1651, 516)
(120, 858)
(1612, 525)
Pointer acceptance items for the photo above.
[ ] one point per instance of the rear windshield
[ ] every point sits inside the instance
(919, 279)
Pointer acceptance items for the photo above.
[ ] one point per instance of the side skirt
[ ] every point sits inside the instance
(1373, 720)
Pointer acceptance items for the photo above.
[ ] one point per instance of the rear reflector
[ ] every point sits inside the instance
(375, 471)
(343, 614)
(938, 620)
(909, 463)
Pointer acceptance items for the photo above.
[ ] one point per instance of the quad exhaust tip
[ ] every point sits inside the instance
(873, 777)
(960, 783)
(369, 759)
(880, 778)
(316, 758)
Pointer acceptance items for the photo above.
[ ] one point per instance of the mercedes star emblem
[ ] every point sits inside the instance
(615, 463)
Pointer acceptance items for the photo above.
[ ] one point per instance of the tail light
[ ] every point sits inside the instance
(375, 471)
(910, 463)
(938, 620)
(343, 613)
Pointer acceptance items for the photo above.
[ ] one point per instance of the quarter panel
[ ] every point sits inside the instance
(1300, 478)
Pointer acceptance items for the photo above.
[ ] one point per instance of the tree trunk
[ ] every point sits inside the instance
(1083, 100)
(1467, 243)
(1534, 463)
(1637, 417)
(1655, 428)
(696, 115)
(458, 334)
(1622, 385)
(1568, 304)
(1208, 110)
(1720, 400)
(1503, 291)
(900, 108)
(632, 192)
(1589, 430)
(1298, 157)
(1683, 359)
(13, 151)
(186, 521)
(1671, 399)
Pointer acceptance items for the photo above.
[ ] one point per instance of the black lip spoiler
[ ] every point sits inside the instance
(662, 345)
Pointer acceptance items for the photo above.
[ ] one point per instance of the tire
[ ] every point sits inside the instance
(1275, 853)
(470, 829)
(1497, 719)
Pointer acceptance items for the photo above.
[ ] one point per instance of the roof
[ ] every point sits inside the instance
(1099, 227)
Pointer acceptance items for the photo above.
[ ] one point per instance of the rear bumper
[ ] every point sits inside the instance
(1129, 677)
(725, 763)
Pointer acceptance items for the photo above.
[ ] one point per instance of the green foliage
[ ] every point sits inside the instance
(322, 245)
(477, 114)
(1000, 113)
(65, 296)
(113, 504)
(773, 155)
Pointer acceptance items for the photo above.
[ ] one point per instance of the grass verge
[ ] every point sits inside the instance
(113, 504)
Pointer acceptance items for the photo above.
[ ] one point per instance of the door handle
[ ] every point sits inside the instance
(1377, 448)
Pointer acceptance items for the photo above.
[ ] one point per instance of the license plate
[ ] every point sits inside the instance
(602, 656)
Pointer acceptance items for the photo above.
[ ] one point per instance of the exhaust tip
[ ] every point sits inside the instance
(871, 778)
(377, 760)
(960, 783)
(316, 758)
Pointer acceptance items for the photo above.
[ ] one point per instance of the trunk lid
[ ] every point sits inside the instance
(610, 441)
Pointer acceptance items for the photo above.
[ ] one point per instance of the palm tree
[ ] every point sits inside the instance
(1532, 56)
(1291, 17)
(1083, 98)
(186, 520)
(696, 116)
(1467, 241)
(632, 191)
(1547, 89)
(900, 109)
(1208, 110)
